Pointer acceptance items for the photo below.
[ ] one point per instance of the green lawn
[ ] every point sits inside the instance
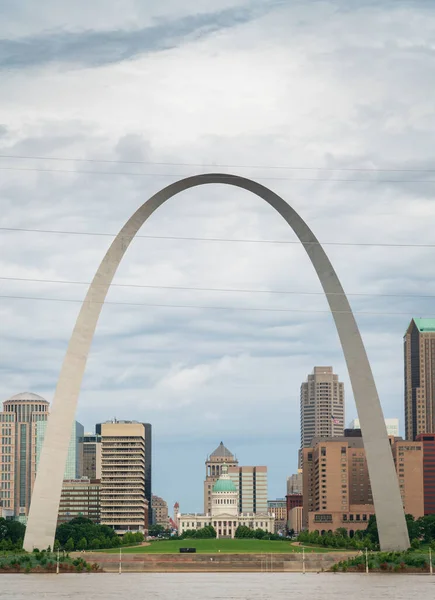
(242, 546)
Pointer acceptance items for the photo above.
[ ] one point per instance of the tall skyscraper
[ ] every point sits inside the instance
(392, 426)
(322, 406)
(124, 505)
(251, 486)
(213, 469)
(419, 355)
(18, 447)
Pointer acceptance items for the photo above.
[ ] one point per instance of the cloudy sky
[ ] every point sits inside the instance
(103, 103)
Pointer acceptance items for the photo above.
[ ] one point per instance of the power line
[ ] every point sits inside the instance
(210, 165)
(201, 239)
(200, 307)
(206, 289)
(177, 175)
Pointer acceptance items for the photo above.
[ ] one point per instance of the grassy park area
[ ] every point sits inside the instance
(211, 546)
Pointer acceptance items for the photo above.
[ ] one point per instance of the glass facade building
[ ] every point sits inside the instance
(74, 461)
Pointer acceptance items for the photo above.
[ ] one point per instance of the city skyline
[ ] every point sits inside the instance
(193, 500)
(337, 104)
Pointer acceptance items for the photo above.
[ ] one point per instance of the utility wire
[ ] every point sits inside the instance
(200, 307)
(201, 239)
(209, 165)
(177, 175)
(206, 289)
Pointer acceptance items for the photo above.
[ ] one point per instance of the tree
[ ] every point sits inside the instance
(244, 532)
(372, 530)
(413, 528)
(56, 546)
(69, 546)
(259, 534)
(426, 528)
(156, 530)
(82, 544)
(12, 530)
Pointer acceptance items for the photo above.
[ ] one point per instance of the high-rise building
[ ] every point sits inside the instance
(419, 355)
(336, 484)
(322, 406)
(148, 470)
(251, 486)
(160, 512)
(428, 441)
(74, 461)
(148, 462)
(18, 447)
(124, 505)
(91, 448)
(392, 426)
(213, 469)
(79, 498)
(294, 483)
(408, 459)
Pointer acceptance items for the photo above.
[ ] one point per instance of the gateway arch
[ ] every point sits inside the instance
(43, 512)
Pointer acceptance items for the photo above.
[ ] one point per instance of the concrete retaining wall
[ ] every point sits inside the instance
(167, 563)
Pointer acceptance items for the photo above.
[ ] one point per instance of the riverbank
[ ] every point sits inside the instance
(45, 562)
(217, 562)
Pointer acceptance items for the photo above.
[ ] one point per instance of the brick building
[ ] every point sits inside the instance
(428, 441)
(336, 484)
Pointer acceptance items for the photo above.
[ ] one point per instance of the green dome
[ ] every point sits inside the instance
(224, 485)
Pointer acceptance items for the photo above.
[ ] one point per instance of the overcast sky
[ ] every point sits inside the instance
(330, 104)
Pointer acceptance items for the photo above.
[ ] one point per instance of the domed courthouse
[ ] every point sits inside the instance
(225, 516)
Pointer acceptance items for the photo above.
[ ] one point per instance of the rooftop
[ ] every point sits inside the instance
(221, 451)
(27, 397)
(424, 325)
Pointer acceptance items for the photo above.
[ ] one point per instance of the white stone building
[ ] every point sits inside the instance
(224, 516)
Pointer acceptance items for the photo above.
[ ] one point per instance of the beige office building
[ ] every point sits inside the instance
(278, 508)
(336, 484)
(322, 406)
(295, 519)
(123, 503)
(251, 486)
(160, 512)
(294, 483)
(408, 458)
(419, 355)
(213, 470)
(79, 498)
